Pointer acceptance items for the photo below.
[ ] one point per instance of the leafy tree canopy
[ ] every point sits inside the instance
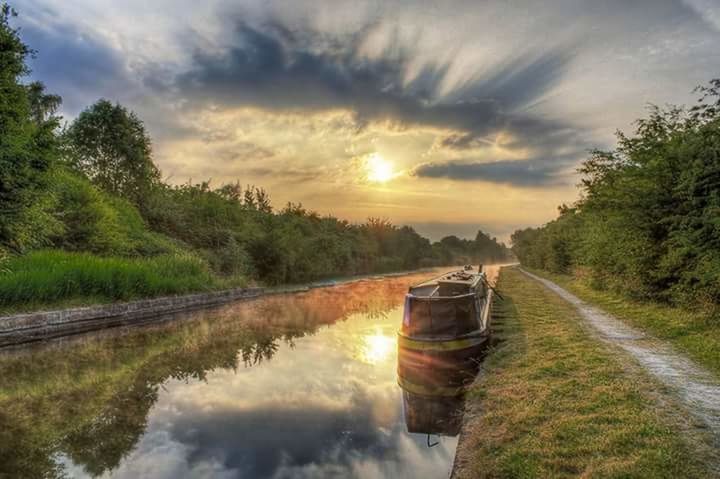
(110, 146)
(27, 142)
(648, 222)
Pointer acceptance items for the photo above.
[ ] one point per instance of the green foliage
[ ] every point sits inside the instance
(238, 232)
(109, 144)
(92, 220)
(48, 276)
(42, 105)
(27, 143)
(454, 250)
(552, 247)
(648, 223)
(216, 223)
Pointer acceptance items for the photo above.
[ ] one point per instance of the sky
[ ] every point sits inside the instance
(448, 116)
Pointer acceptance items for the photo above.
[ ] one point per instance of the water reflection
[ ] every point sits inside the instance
(378, 347)
(433, 388)
(287, 386)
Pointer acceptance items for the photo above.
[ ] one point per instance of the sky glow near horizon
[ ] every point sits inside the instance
(446, 116)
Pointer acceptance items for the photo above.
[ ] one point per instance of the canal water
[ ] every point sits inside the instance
(296, 385)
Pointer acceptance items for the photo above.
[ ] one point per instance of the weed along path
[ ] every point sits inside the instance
(697, 389)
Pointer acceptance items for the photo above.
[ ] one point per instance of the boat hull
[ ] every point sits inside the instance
(441, 361)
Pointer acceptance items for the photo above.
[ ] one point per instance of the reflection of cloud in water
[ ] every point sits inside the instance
(268, 455)
(327, 407)
(158, 456)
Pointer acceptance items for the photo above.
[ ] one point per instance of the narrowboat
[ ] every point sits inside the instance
(445, 324)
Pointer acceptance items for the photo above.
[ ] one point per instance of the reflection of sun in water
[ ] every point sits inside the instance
(377, 347)
(379, 170)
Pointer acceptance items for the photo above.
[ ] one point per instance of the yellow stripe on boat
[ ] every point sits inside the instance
(429, 390)
(437, 345)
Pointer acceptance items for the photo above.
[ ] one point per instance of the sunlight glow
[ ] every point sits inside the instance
(379, 170)
(377, 347)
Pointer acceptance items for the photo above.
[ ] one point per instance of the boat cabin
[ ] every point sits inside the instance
(455, 283)
(452, 305)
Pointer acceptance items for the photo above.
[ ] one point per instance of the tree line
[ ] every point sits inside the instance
(92, 187)
(648, 220)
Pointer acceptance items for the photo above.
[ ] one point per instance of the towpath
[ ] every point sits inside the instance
(695, 388)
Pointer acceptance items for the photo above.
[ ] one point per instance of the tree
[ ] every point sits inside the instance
(109, 145)
(262, 201)
(27, 142)
(42, 105)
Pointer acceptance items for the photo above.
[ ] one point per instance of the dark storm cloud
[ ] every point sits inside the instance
(531, 172)
(275, 69)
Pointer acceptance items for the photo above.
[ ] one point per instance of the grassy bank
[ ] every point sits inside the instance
(553, 402)
(57, 278)
(696, 333)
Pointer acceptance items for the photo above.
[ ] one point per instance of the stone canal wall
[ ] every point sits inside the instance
(23, 328)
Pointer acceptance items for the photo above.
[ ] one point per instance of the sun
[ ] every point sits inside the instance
(379, 170)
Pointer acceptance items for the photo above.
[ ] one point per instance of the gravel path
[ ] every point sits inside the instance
(697, 389)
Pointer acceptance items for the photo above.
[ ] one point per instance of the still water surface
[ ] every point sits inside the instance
(297, 385)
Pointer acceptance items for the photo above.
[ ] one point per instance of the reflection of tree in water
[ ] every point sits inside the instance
(90, 399)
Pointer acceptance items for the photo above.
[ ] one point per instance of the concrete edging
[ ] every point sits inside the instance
(23, 328)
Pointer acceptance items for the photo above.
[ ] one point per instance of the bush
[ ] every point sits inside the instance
(92, 220)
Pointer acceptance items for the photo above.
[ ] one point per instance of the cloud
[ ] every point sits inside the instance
(708, 10)
(79, 66)
(461, 142)
(289, 174)
(525, 173)
(277, 69)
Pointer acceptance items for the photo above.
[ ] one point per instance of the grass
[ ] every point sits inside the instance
(694, 332)
(45, 278)
(553, 402)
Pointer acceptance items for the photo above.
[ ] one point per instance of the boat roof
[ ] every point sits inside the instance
(467, 277)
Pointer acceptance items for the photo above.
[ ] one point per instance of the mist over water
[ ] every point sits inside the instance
(299, 385)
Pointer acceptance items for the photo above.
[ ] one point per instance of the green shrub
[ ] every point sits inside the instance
(92, 220)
